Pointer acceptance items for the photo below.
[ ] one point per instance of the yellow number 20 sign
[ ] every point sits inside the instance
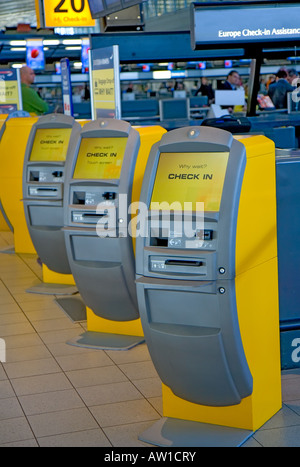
(66, 13)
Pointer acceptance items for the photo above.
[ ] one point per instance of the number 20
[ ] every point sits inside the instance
(59, 8)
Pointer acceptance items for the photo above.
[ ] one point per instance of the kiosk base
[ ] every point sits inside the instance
(73, 307)
(103, 341)
(105, 334)
(9, 250)
(61, 285)
(55, 284)
(53, 289)
(172, 432)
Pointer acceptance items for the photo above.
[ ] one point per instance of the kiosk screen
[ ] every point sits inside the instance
(50, 145)
(100, 158)
(190, 177)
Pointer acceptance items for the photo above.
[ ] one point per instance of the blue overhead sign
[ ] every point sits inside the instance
(245, 23)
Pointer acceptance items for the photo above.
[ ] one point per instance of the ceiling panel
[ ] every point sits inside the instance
(13, 12)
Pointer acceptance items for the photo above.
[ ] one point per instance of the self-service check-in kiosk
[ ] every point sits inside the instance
(100, 250)
(43, 187)
(12, 150)
(207, 285)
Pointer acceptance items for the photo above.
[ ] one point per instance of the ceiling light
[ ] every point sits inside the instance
(17, 43)
(72, 41)
(164, 74)
(51, 42)
(73, 48)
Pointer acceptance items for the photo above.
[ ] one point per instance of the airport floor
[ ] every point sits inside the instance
(56, 395)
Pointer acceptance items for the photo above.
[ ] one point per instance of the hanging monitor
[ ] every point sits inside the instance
(248, 23)
(101, 8)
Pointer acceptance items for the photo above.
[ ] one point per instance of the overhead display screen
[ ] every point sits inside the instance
(101, 8)
(63, 13)
(190, 177)
(264, 23)
(50, 145)
(100, 158)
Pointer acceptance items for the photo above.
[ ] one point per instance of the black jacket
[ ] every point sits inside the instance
(226, 86)
(278, 93)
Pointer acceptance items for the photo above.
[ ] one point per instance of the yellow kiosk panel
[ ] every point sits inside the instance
(3, 224)
(13, 146)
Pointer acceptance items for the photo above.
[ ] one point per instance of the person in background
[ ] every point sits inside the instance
(179, 86)
(32, 102)
(129, 88)
(232, 82)
(278, 91)
(292, 75)
(262, 86)
(87, 93)
(206, 90)
(271, 80)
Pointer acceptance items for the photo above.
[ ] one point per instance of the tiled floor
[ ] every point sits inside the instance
(54, 394)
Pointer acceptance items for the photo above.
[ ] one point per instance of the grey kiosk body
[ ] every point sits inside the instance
(191, 326)
(43, 186)
(101, 258)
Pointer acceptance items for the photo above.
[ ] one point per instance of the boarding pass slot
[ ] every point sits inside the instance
(44, 192)
(87, 217)
(184, 263)
(188, 266)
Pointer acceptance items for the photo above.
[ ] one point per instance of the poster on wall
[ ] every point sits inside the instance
(66, 86)
(85, 47)
(35, 56)
(105, 82)
(10, 91)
